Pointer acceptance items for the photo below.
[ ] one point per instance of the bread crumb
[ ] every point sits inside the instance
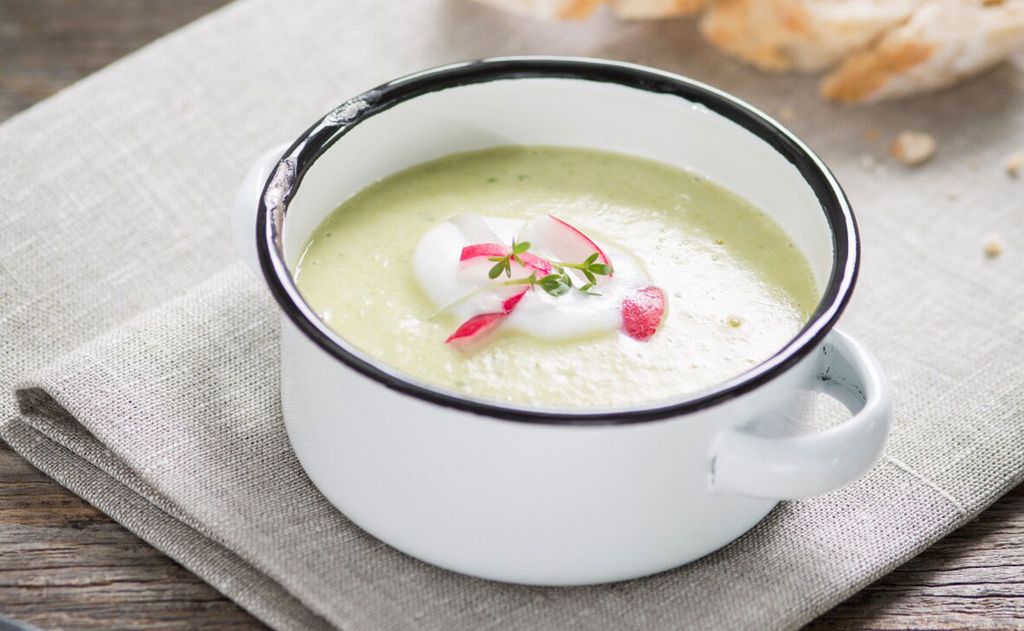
(1015, 164)
(872, 134)
(991, 3)
(951, 194)
(786, 113)
(913, 147)
(994, 246)
(735, 321)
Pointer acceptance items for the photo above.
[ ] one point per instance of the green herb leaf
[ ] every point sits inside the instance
(554, 284)
(558, 282)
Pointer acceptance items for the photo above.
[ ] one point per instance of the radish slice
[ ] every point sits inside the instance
(470, 332)
(511, 302)
(474, 329)
(564, 241)
(488, 250)
(642, 311)
(483, 249)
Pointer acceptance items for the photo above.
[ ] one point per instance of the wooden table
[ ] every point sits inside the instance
(63, 564)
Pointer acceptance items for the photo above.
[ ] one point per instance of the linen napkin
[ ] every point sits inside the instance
(138, 364)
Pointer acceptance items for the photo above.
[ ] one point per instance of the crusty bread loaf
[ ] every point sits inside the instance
(548, 9)
(878, 48)
(579, 9)
(807, 35)
(940, 44)
(650, 9)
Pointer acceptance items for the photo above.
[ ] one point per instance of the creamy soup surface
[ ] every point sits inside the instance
(735, 287)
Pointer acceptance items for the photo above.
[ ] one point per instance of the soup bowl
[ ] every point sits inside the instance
(561, 496)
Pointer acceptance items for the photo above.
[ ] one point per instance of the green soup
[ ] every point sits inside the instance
(736, 287)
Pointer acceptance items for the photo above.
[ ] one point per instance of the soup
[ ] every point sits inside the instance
(557, 277)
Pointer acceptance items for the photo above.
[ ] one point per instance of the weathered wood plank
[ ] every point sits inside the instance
(972, 579)
(48, 44)
(65, 565)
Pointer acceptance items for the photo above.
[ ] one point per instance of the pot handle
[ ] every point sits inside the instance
(811, 464)
(247, 203)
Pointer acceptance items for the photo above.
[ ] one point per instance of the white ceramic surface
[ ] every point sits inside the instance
(513, 496)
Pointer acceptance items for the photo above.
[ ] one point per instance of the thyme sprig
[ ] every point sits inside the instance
(590, 268)
(556, 283)
(504, 263)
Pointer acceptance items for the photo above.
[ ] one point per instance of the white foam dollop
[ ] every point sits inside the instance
(448, 282)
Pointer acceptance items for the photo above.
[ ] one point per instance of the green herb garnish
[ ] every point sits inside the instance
(557, 283)
(504, 263)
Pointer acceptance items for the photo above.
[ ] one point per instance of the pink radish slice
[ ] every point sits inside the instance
(511, 302)
(642, 311)
(479, 326)
(475, 328)
(567, 243)
(483, 249)
(488, 250)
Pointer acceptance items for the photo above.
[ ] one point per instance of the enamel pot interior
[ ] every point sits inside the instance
(566, 102)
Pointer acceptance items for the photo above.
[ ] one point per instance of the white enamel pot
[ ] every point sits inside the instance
(560, 496)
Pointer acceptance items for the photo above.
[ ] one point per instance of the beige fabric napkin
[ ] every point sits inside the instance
(138, 363)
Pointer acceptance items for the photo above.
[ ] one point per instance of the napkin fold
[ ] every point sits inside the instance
(171, 424)
(138, 365)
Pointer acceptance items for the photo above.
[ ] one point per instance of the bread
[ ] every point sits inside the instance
(650, 9)
(580, 9)
(806, 35)
(941, 43)
(878, 49)
(548, 9)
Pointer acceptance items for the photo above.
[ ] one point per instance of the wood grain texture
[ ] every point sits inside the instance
(65, 565)
(972, 579)
(48, 44)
